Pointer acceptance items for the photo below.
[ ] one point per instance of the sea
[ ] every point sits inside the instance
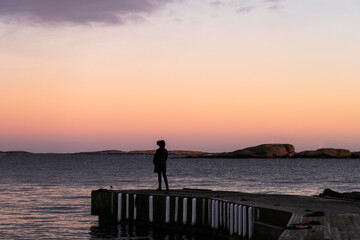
(47, 196)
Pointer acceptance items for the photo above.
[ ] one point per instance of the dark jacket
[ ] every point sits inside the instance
(160, 158)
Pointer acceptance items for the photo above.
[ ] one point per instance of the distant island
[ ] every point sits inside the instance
(114, 152)
(14, 152)
(275, 150)
(285, 151)
(142, 152)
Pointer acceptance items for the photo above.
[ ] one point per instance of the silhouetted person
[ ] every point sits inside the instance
(160, 158)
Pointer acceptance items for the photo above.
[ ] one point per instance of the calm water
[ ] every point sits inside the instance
(48, 196)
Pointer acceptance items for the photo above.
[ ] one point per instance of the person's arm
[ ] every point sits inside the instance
(156, 157)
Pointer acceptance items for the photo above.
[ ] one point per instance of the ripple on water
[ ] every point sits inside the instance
(48, 196)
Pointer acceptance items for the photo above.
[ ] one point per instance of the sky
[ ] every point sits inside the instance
(88, 75)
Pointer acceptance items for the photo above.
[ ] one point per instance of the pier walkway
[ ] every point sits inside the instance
(232, 215)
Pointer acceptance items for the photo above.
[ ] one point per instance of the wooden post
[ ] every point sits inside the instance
(135, 208)
(151, 208)
(167, 210)
(119, 207)
(185, 211)
(193, 211)
(231, 218)
(176, 213)
(240, 217)
(251, 225)
(236, 218)
(244, 221)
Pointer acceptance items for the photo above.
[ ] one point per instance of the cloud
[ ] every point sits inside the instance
(77, 11)
(216, 3)
(246, 9)
(274, 4)
(275, 7)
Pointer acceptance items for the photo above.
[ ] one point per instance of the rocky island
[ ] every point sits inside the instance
(260, 151)
(325, 153)
(278, 150)
(274, 150)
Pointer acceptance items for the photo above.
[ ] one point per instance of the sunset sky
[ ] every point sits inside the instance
(87, 75)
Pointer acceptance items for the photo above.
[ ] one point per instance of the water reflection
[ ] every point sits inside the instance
(117, 232)
(48, 196)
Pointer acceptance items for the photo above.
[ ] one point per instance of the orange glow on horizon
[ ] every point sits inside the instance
(204, 82)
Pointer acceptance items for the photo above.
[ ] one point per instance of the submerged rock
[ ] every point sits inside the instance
(261, 151)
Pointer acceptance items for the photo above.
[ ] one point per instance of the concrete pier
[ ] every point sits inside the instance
(231, 215)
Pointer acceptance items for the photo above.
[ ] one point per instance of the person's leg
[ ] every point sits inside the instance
(165, 180)
(159, 180)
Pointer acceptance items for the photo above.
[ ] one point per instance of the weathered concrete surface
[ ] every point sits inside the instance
(331, 218)
(335, 227)
(289, 203)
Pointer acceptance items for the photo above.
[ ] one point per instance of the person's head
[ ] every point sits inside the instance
(161, 143)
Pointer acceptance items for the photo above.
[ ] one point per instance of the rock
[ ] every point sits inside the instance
(16, 152)
(325, 153)
(330, 193)
(352, 195)
(308, 154)
(261, 151)
(337, 153)
(348, 195)
(355, 154)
